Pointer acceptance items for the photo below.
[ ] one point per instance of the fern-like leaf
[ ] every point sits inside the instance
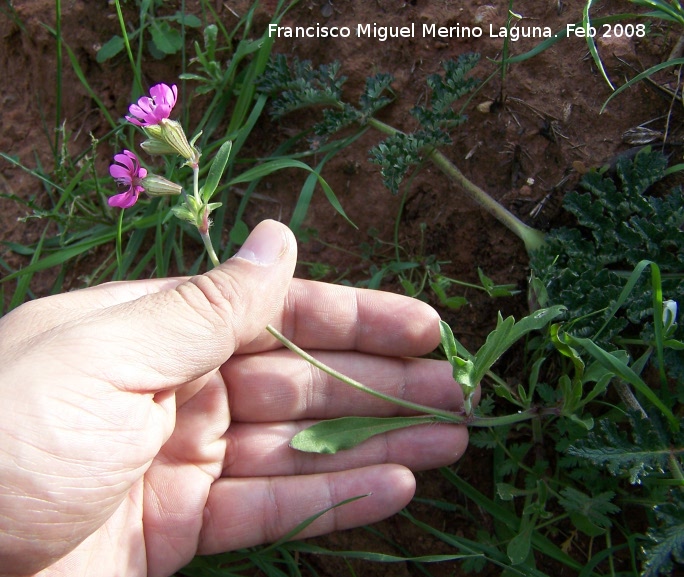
(647, 454)
(667, 540)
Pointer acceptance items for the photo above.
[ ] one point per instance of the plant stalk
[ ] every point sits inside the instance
(206, 239)
(446, 416)
(531, 237)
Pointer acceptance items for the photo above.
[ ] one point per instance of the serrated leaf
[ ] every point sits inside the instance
(667, 539)
(622, 225)
(508, 492)
(649, 453)
(484, 439)
(336, 435)
(591, 513)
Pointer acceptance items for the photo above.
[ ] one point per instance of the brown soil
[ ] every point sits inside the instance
(542, 131)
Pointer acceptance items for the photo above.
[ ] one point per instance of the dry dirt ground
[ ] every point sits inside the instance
(542, 131)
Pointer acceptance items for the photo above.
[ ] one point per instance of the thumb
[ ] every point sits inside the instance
(171, 337)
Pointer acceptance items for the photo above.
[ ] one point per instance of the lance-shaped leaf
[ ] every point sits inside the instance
(347, 432)
(470, 369)
(218, 166)
(508, 332)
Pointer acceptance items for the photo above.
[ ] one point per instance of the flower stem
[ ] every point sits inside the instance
(446, 416)
(127, 45)
(195, 180)
(206, 239)
(119, 248)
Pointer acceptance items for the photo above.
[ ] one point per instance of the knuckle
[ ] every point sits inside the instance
(215, 297)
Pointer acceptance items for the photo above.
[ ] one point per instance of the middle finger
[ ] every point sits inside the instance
(281, 386)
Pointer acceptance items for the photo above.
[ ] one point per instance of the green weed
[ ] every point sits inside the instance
(556, 471)
(146, 242)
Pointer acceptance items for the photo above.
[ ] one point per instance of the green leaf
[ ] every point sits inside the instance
(464, 374)
(622, 370)
(667, 539)
(347, 432)
(218, 166)
(566, 350)
(508, 492)
(589, 513)
(519, 547)
(376, 557)
(639, 77)
(281, 163)
(452, 302)
(110, 49)
(448, 341)
(189, 20)
(166, 39)
(506, 333)
(647, 455)
(409, 287)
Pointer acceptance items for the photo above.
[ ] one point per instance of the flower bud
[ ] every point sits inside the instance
(154, 146)
(195, 212)
(156, 185)
(669, 315)
(168, 137)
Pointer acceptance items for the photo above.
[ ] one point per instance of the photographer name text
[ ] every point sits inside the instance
(514, 33)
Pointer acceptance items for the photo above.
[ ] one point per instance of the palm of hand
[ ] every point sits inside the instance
(167, 474)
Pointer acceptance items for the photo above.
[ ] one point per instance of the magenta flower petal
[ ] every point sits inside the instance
(128, 159)
(163, 94)
(152, 109)
(123, 200)
(119, 173)
(127, 172)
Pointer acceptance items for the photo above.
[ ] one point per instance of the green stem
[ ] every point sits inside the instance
(119, 248)
(206, 239)
(127, 45)
(532, 238)
(448, 416)
(195, 181)
(58, 105)
(609, 546)
(203, 228)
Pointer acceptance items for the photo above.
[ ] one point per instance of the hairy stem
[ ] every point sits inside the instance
(206, 239)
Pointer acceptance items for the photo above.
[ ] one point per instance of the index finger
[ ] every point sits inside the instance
(333, 317)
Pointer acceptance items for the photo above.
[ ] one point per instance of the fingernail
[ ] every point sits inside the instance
(265, 245)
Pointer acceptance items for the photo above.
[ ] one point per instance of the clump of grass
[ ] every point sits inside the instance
(224, 70)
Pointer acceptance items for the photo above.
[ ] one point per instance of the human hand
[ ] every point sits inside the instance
(144, 422)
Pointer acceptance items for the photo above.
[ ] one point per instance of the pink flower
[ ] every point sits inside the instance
(129, 173)
(154, 108)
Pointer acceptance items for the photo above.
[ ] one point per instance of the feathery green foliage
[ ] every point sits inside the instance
(619, 224)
